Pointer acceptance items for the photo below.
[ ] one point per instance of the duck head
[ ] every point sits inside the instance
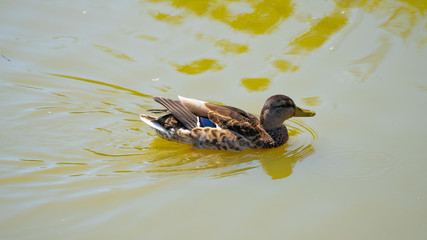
(278, 108)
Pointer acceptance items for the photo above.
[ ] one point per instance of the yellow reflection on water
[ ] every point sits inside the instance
(404, 15)
(320, 32)
(419, 4)
(263, 17)
(371, 5)
(230, 47)
(284, 65)
(164, 17)
(113, 52)
(279, 168)
(109, 85)
(260, 18)
(399, 22)
(147, 37)
(199, 66)
(312, 101)
(362, 68)
(226, 45)
(255, 84)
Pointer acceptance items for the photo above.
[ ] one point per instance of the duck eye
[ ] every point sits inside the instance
(281, 106)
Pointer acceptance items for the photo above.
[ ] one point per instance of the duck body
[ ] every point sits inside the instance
(211, 126)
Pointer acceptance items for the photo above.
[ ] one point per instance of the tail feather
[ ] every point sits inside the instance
(157, 111)
(151, 121)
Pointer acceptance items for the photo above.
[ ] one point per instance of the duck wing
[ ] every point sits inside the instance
(204, 109)
(238, 121)
(179, 111)
(227, 117)
(222, 115)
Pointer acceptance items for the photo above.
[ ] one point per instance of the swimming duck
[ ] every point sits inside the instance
(208, 125)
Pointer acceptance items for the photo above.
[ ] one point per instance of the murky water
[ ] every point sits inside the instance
(77, 163)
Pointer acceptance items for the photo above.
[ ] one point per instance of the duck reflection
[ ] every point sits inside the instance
(170, 158)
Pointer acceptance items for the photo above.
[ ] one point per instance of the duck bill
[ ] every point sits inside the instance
(299, 112)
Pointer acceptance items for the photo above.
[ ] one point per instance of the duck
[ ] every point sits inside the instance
(207, 125)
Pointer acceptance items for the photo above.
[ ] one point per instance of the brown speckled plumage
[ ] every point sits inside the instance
(234, 128)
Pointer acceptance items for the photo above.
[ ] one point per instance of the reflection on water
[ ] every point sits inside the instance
(264, 17)
(319, 33)
(277, 163)
(255, 17)
(147, 37)
(114, 52)
(255, 84)
(109, 85)
(167, 18)
(312, 101)
(231, 47)
(364, 67)
(227, 46)
(400, 20)
(199, 66)
(284, 65)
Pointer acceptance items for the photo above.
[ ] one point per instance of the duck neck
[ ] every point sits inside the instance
(279, 135)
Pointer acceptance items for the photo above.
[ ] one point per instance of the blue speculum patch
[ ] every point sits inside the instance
(205, 122)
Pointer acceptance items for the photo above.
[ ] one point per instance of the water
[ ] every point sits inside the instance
(77, 163)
